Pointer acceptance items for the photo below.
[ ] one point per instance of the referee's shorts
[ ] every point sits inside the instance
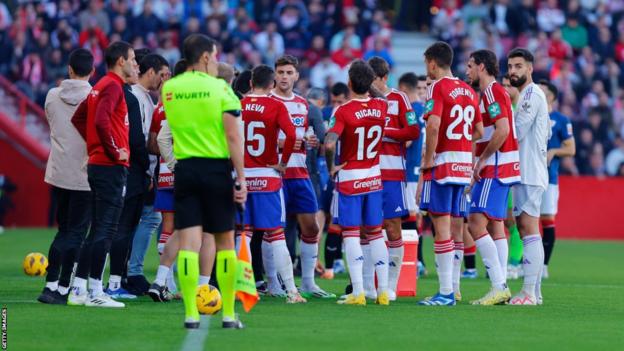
(204, 195)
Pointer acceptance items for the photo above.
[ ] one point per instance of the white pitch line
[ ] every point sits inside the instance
(195, 338)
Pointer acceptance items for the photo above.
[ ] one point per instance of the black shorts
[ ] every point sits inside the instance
(204, 195)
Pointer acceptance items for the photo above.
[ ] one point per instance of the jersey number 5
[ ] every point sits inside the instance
(251, 137)
(461, 114)
(375, 134)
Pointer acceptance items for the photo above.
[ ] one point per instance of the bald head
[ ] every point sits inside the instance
(225, 72)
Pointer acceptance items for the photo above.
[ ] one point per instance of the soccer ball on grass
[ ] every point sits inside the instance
(35, 264)
(208, 299)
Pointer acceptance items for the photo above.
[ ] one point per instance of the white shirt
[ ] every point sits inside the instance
(147, 107)
(533, 131)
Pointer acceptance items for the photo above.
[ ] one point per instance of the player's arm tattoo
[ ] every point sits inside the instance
(330, 150)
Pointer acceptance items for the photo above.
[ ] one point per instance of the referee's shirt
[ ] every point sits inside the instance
(194, 103)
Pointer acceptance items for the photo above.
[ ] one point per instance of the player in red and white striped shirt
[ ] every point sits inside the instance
(359, 124)
(496, 169)
(264, 117)
(299, 196)
(451, 111)
(401, 126)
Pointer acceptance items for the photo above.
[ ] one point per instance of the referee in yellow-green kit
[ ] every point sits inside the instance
(202, 112)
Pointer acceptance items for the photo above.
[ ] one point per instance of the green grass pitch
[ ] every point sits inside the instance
(583, 310)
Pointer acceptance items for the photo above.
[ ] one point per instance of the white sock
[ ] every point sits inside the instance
(396, 251)
(204, 280)
(489, 254)
(444, 264)
(532, 262)
(283, 263)
(171, 283)
(379, 255)
(52, 285)
(368, 267)
(538, 283)
(63, 290)
(79, 286)
(269, 263)
(503, 255)
(95, 287)
(239, 239)
(114, 282)
(309, 255)
(161, 275)
(355, 258)
(458, 259)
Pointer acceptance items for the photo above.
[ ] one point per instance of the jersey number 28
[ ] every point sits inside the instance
(461, 114)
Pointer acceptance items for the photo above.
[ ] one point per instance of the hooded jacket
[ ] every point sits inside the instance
(67, 163)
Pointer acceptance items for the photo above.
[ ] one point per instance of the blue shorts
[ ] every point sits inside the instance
(264, 211)
(394, 204)
(489, 196)
(464, 206)
(164, 200)
(360, 210)
(299, 196)
(442, 199)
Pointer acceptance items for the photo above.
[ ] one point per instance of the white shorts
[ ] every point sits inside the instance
(527, 198)
(410, 194)
(550, 200)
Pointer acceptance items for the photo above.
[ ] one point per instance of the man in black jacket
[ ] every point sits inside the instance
(136, 188)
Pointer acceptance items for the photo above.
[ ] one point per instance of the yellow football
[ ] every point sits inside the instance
(208, 299)
(35, 264)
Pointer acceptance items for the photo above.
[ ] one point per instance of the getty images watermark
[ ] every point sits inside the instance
(4, 327)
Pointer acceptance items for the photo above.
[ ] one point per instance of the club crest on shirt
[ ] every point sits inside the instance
(525, 106)
(429, 106)
(494, 110)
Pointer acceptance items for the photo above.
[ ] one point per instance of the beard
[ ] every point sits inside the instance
(474, 83)
(517, 82)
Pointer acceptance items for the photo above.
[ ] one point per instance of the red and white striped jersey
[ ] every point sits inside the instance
(504, 164)
(297, 106)
(401, 126)
(165, 176)
(360, 125)
(457, 105)
(263, 118)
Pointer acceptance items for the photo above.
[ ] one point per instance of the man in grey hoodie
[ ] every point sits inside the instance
(66, 172)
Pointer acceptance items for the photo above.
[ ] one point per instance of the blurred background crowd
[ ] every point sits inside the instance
(578, 44)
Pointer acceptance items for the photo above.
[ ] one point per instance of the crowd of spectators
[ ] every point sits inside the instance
(36, 37)
(578, 45)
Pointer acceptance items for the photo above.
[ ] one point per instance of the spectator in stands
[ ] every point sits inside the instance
(550, 16)
(147, 22)
(337, 41)
(317, 51)
(615, 158)
(169, 50)
(380, 50)
(169, 11)
(559, 49)
(604, 46)
(574, 33)
(619, 49)
(120, 27)
(325, 73)
(94, 13)
(270, 43)
(55, 67)
(345, 54)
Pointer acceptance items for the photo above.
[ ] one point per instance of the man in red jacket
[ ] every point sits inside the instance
(102, 120)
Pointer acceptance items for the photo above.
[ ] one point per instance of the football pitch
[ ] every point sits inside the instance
(583, 310)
